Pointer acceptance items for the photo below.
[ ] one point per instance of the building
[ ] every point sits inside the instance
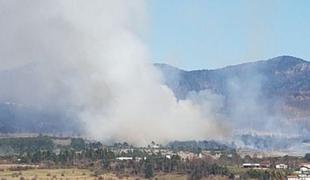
(250, 165)
(168, 156)
(187, 155)
(302, 174)
(304, 177)
(298, 177)
(281, 166)
(265, 164)
(292, 177)
(124, 158)
(304, 168)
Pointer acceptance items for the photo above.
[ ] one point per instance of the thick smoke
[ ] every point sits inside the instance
(251, 110)
(87, 59)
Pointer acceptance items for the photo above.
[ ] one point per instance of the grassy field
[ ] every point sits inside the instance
(80, 174)
(47, 174)
(71, 174)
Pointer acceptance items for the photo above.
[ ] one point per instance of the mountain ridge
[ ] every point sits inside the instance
(265, 91)
(278, 87)
(280, 64)
(274, 59)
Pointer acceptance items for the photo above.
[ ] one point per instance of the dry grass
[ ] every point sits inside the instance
(74, 174)
(64, 174)
(171, 177)
(58, 174)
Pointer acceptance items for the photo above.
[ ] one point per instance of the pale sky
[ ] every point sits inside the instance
(207, 34)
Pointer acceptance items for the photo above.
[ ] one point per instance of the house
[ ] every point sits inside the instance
(304, 168)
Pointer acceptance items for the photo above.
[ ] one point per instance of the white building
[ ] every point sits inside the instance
(305, 168)
(281, 166)
(298, 177)
(250, 165)
(292, 177)
(124, 158)
(187, 155)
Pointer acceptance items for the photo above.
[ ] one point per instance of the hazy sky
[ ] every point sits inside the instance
(206, 34)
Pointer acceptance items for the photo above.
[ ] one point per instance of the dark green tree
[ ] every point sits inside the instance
(148, 171)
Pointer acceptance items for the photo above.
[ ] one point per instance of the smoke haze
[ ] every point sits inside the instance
(90, 63)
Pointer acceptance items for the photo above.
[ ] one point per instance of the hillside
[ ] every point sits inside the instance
(264, 96)
(272, 92)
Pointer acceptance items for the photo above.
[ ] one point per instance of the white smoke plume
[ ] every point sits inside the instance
(90, 61)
